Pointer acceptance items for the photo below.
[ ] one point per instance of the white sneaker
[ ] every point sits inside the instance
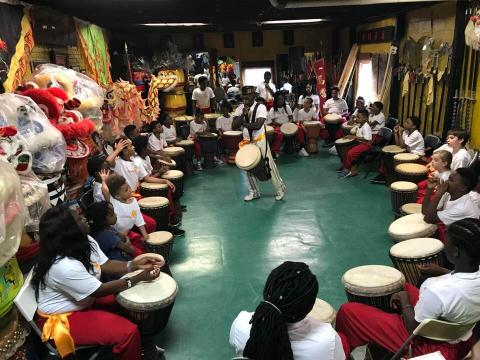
(218, 161)
(280, 195)
(303, 152)
(251, 196)
(199, 166)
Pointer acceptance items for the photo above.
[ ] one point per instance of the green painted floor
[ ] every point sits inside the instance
(230, 246)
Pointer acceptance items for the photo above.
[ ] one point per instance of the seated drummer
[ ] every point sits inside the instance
(280, 327)
(169, 130)
(157, 141)
(203, 97)
(131, 131)
(453, 297)
(141, 158)
(224, 123)
(456, 141)
(334, 105)
(364, 138)
(74, 307)
(376, 121)
(279, 114)
(307, 113)
(197, 127)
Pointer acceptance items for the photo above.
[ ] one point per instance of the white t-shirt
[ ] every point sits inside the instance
(315, 101)
(223, 123)
(69, 284)
(309, 338)
(261, 113)
(279, 116)
(443, 176)
(203, 97)
(170, 133)
(460, 159)
(264, 93)
(233, 91)
(146, 163)
(287, 87)
(380, 118)
(302, 115)
(451, 211)
(157, 144)
(451, 297)
(414, 142)
(364, 131)
(197, 128)
(130, 171)
(128, 215)
(338, 106)
(97, 192)
(475, 197)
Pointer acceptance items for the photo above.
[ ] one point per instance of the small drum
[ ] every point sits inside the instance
(160, 242)
(212, 121)
(312, 131)
(333, 119)
(189, 147)
(402, 192)
(410, 208)
(153, 189)
(157, 208)
(149, 305)
(405, 158)
(56, 189)
(180, 121)
(270, 131)
(373, 285)
(231, 139)
(411, 172)
(411, 227)
(349, 129)
(289, 130)
(389, 152)
(343, 145)
(209, 145)
(323, 312)
(176, 177)
(249, 158)
(13, 336)
(406, 255)
(177, 154)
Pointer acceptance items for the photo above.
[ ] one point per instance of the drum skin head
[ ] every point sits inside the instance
(232, 133)
(410, 227)
(153, 186)
(159, 237)
(172, 175)
(153, 202)
(403, 186)
(289, 129)
(323, 311)
(416, 248)
(248, 157)
(373, 280)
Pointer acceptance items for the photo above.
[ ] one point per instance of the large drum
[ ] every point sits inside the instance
(343, 145)
(403, 158)
(373, 285)
(402, 192)
(177, 154)
(323, 312)
(411, 172)
(160, 242)
(189, 147)
(174, 104)
(249, 158)
(333, 119)
(209, 146)
(270, 131)
(212, 121)
(231, 139)
(388, 153)
(410, 208)
(153, 189)
(406, 255)
(157, 208)
(149, 305)
(312, 131)
(289, 130)
(183, 122)
(411, 227)
(176, 177)
(349, 129)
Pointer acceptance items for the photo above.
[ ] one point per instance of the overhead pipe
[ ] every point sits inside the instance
(286, 4)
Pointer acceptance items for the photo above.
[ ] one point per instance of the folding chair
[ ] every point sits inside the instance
(27, 305)
(437, 330)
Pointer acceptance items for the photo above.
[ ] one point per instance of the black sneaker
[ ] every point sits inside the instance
(379, 179)
(176, 232)
(183, 208)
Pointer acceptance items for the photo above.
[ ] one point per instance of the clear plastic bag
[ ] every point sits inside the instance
(36, 199)
(42, 139)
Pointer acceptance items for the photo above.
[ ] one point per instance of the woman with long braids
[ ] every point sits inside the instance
(280, 328)
(74, 307)
(452, 296)
(278, 115)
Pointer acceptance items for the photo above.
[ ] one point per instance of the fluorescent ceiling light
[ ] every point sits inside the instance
(175, 24)
(298, 21)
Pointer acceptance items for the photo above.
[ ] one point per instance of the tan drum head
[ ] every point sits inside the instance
(159, 237)
(411, 208)
(174, 150)
(172, 175)
(373, 280)
(152, 202)
(172, 163)
(153, 186)
(311, 123)
(269, 129)
(411, 168)
(184, 143)
(232, 133)
(289, 129)
(406, 157)
(184, 118)
(212, 116)
(344, 141)
(403, 186)
(410, 227)
(151, 295)
(323, 312)
(248, 157)
(393, 149)
(150, 255)
(416, 248)
(332, 118)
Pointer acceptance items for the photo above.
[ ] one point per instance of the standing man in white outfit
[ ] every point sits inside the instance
(266, 89)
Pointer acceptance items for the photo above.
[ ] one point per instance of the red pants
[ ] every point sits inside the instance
(197, 149)
(136, 238)
(205, 110)
(422, 189)
(277, 143)
(354, 153)
(362, 324)
(93, 326)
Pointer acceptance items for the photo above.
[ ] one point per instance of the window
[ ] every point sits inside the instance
(365, 82)
(254, 76)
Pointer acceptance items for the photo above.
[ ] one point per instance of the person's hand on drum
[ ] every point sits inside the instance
(401, 299)
(148, 262)
(170, 185)
(432, 269)
(148, 274)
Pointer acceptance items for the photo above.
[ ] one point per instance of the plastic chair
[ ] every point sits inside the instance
(391, 122)
(432, 143)
(437, 330)
(26, 303)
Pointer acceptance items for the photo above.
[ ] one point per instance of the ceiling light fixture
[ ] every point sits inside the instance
(175, 24)
(297, 21)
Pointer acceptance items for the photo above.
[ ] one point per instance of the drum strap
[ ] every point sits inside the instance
(252, 120)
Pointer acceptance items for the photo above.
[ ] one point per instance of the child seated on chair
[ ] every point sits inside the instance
(307, 113)
(456, 141)
(169, 130)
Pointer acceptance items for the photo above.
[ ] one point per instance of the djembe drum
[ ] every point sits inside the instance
(373, 285)
(343, 145)
(183, 122)
(349, 129)
(153, 189)
(405, 157)
(289, 130)
(157, 208)
(410, 208)
(176, 177)
(212, 121)
(249, 158)
(323, 312)
(160, 242)
(406, 255)
(209, 146)
(149, 304)
(411, 172)
(177, 154)
(402, 192)
(231, 139)
(189, 147)
(333, 119)
(270, 131)
(388, 152)
(56, 188)
(312, 131)
(411, 227)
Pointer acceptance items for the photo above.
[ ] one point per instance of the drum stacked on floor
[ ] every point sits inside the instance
(411, 172)
(189, 148)
(323, 312)
(161, 243)
(153, 189)
(312, 131)
(231, 139)
(209, 146)
(182, 125)
(388, 153)
(157, 208)
(289, 131)
(402, 192)
(410, 208)
(343, 145)
(177, 154)
(411, 227)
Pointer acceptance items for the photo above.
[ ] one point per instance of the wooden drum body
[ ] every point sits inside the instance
(333, 119)
(183, 122)
(405, 157)
(209, 146)
(323, 312)
(160, 242)
(157, 208)
(212, 121)
(389, 152)
(249, 158)
(343, 145)
(406, 255)
(411, 172)
(176, 177)
(177, 154)
(270, 131)
(189, 147)
(402, 192)
(174, 104)
(373, 285)
(411, 227)
(153, 189)
(289, 130)
(312, 130)
(231, 139)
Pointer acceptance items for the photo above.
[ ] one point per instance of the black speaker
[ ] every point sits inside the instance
(288, 37)
(295, 59)
(257, 38)
(197, 41)
(228, 40)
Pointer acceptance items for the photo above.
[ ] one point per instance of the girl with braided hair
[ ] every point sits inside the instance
(278, 115)
(452, 296)
(280, 328)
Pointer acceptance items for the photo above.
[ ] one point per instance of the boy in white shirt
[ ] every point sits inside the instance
(309, 94)
(456, 141)
(266, 89)
(376, 120)
(224, 122)
(197, 127)
(169, 130)
(334, 105)
(307, 113)
(364, 137)
(157, 141)
(203, 97)
(410, 137)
